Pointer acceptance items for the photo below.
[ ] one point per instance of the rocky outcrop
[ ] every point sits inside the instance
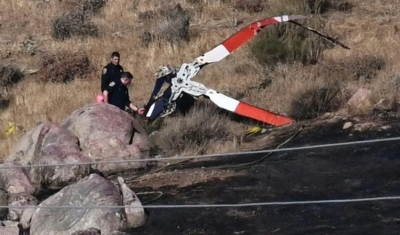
(56, 156)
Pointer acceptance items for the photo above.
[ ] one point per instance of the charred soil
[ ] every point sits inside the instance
(351, 171)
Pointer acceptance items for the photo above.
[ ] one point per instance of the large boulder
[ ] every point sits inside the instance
(102, 121)
(92, 191)
(49, 143)
(107, 133)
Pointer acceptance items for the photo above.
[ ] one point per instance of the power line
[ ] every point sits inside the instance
(279, 203)
(208, 155)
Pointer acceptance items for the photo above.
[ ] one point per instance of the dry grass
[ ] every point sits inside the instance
(369, 28)
(204, 129)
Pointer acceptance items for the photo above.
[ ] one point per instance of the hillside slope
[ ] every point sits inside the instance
(62, 46)
(330, 173)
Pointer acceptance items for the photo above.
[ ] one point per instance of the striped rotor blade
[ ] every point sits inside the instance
(244, 35)
(247, 110)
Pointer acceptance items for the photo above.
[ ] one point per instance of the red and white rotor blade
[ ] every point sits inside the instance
(244, 35)
(247, 110)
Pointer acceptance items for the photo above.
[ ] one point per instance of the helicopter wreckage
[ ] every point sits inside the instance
(181, 85)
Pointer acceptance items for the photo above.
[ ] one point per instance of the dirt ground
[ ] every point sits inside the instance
(352, 171)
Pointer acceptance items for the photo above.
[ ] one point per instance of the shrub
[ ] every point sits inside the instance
(325, 95)
(77, 21)
(88, 6)
(169, 25)
(65, 66)
(315, 102)
(10, 75)
(288, 43)
(4, 102)
(200, 126)
(73, 24)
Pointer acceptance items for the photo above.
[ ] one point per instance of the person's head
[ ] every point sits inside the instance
(126, 78)
(115, 58)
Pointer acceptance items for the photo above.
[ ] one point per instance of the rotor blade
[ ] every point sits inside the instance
(247, 110)
(244, 35)
(327, 37)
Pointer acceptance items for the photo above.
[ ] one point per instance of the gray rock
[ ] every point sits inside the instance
(347, 125)
(19, 199)
(89, 231)
(102, 121)
(360, 100)
(108, 133)
(9, 230)
(93, 190)
(18, 190)
(136, 217)
(48, 143)
(16, 179)
(113, 149)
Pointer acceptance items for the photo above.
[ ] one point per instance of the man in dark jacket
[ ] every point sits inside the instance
(116, 93)
(112, 71)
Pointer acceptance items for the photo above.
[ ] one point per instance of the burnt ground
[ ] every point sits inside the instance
(357, 171)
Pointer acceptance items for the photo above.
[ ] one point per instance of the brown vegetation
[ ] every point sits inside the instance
(284, 69)
(198, 132)
(77, 19)
(65, 67)
(9, 76)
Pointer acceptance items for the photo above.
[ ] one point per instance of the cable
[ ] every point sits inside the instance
(208, 155)
(281, 203)
(262, 158)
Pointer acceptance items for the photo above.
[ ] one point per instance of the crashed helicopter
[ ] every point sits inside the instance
(181, 86)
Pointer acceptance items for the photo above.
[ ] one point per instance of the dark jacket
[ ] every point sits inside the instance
(110, 73)
(118, 94)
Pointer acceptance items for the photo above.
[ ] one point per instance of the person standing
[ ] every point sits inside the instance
(117, 93)
(112, 71)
